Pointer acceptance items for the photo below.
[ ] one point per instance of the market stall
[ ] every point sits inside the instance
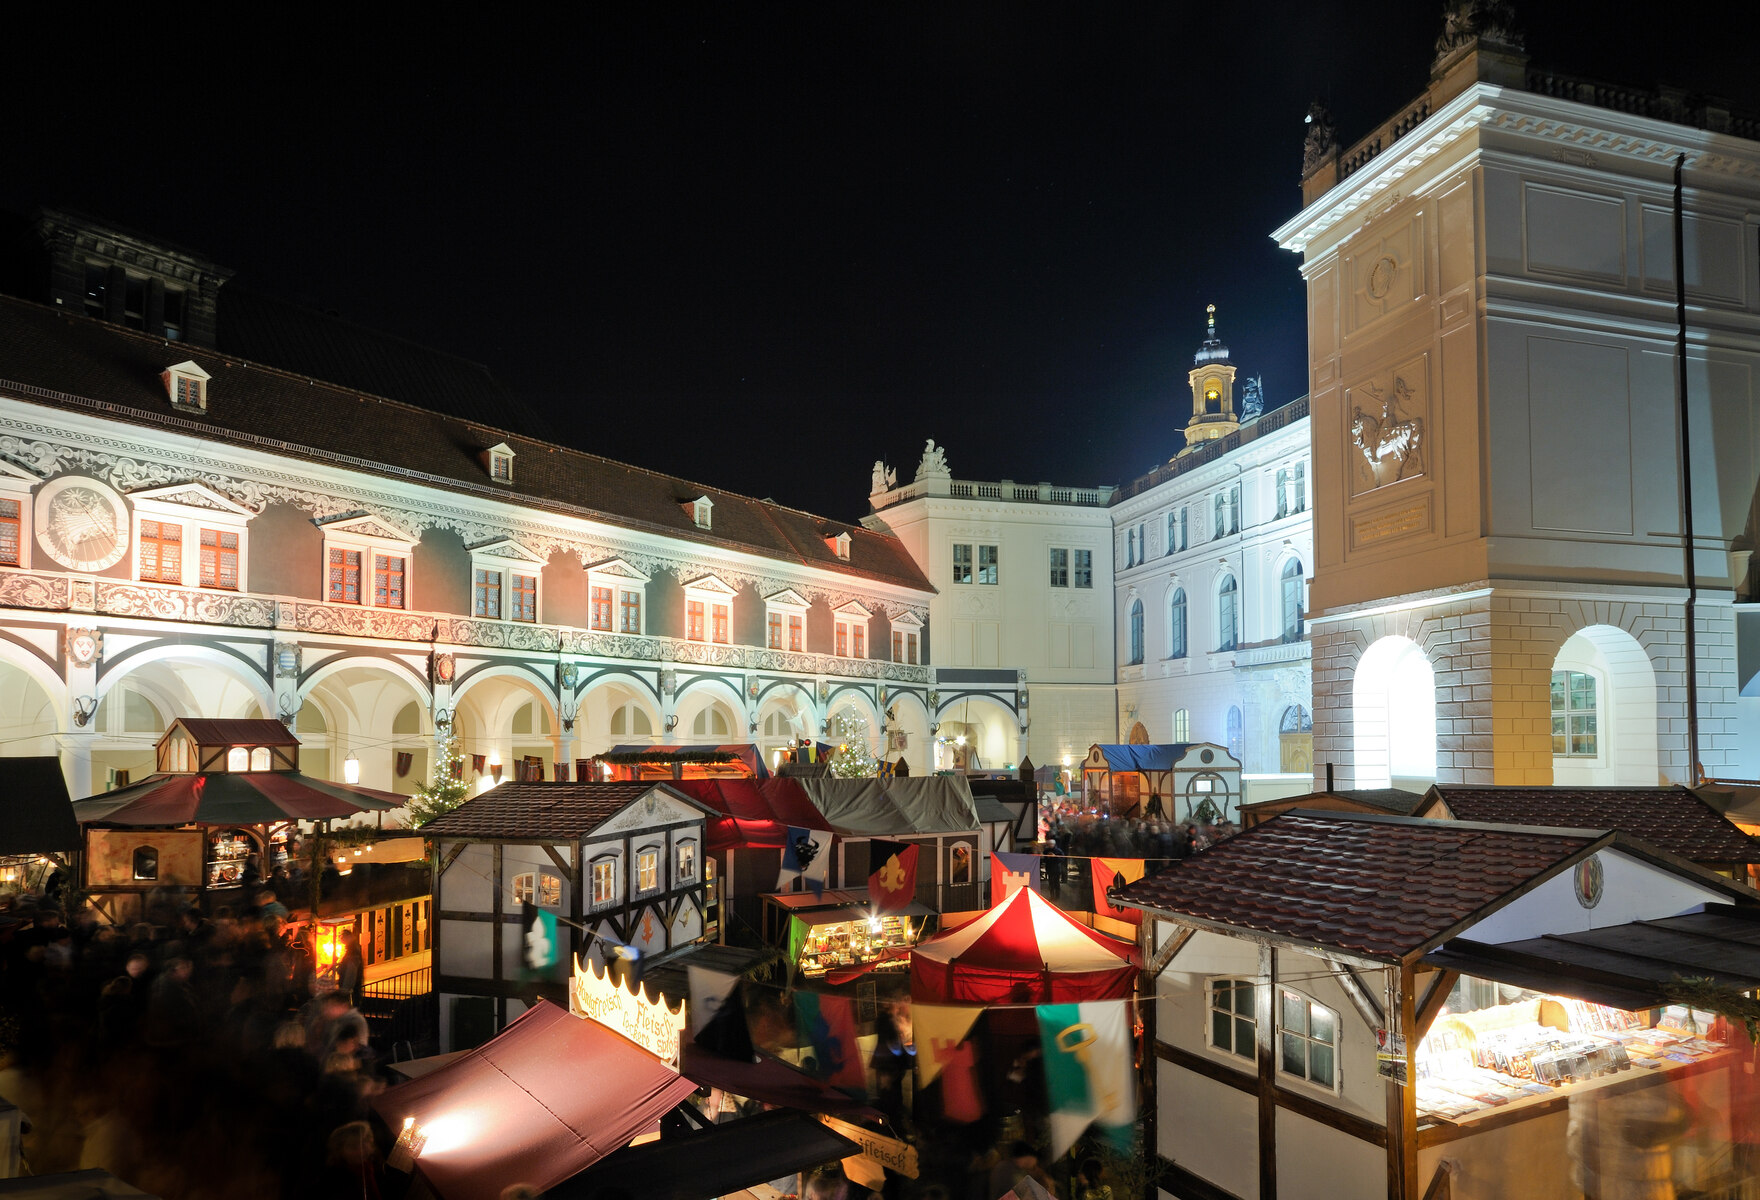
(219, 814)
(1023, 951)
(1194, 781)
(39, 834)
(840, 930)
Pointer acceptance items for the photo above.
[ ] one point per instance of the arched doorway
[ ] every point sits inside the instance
(1295, 741)
(1603, 710)
(977, 733)
(1393, 716)
(373, 711)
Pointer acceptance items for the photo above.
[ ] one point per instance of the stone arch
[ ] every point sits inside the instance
(785, 715)
(607, 698)
(174, 680)
(1393, 713)
(359, 699)
(990, 727)
(911, 718)
(483, 712)
(1620, 717)
(705, 696)
(33, 701)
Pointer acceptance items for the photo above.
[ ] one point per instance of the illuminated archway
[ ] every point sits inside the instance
(1393, 714)
(1603, 701)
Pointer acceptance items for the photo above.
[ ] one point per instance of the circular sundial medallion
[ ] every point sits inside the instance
(1381, 277)
(82, 523)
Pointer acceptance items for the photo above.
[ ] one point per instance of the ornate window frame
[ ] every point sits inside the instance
(619, 577)
(194, 508)
(508, 557)
(710, 591)
(370, 536)
(781, 611)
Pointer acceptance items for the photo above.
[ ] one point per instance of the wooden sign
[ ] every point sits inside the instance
(882, 1150)
(650, 1024)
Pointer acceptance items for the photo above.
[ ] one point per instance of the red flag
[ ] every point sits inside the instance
(1105, 878)
(893, 883)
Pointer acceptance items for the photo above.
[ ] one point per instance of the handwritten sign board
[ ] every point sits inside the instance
(877, 1147)
(650, 1024)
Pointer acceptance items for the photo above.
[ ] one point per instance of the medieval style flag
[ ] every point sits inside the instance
(946, 1051)
(807, 855)
(1110, 872)
(404, 759)
(829, 1023)
(1009, 873)
(538, 942)
(893, 882)
(561, 772)
(1088, 1075)
(479, 763)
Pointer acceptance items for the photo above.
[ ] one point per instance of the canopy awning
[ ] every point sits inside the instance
(39, 813)
(1142, 757)
(713, 1161)
(768, 1080)
(1622, 966)
(231, 798)
(522, 1107)
(1023, 951)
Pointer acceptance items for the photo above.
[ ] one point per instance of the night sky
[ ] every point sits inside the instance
(761, 248)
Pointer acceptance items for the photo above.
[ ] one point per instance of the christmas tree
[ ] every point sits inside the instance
(854, 759)
(447, 790)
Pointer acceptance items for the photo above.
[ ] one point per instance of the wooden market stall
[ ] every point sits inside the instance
(1408, 1005)
(1189, 781)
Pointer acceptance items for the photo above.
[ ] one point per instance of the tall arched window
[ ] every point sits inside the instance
(1234, 731)
(1227, 614)
(1176, 624)
(1292, 601)
(1182, 725)
(1136, 631)
(1220, 525)
(1130, 541)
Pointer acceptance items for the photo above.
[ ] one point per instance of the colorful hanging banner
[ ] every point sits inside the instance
(1088, 1074)
(947, 1052)
(1009, 873)
(1110, 872)
(807, 855)
(651, 1024)
(829, 1023)
(893, 883)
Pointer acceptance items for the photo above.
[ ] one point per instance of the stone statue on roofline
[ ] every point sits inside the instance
(1465, 22)
(934, 460)
(1252, 399)
(1322, 138)
(885, 478)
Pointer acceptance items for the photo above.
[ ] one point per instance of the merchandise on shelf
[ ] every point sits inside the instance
(849, 943)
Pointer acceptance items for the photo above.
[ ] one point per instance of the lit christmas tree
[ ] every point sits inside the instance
(447, 790)
(854, 759)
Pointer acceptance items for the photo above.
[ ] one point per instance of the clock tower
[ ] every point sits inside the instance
(1212, 380)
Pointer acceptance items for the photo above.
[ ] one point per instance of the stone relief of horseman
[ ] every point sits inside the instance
(1392, 444)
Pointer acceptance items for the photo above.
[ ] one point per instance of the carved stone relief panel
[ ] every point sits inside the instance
(1383, 270)
(1388, 426)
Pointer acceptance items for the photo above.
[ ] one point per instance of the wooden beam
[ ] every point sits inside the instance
(561, 862)
(1359, 995)
(1172, 946)
(1440, 1188)
(1176, 1181)
(1315, 1110)
(1265, 1012)
(446, 860)
(500, 885)
(1426, 1012)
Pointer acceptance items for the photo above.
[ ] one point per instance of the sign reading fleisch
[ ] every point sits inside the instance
(885, 1151)
(650, 1024)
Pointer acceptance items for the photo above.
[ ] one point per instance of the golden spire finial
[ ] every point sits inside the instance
(1211, 310)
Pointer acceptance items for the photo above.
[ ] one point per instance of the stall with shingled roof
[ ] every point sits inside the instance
(1191, 781)
(1407, 1006)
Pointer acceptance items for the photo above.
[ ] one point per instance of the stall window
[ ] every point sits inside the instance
(1574, 732)
(1307, 1040)
(238, 759)
(605, 881)
(647, 870)
(260, 758)
(960, 864)
(1233, 1027)
(146, 862)
(687, 862)
(540, 888)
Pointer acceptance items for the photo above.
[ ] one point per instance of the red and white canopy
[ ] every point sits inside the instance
(1023, 951)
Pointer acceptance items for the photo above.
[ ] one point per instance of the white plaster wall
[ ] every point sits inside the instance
(1209, 1128)
(467, 948)
(1633, 890)
(1315, 1162)
(468, 884)
(1067, 719)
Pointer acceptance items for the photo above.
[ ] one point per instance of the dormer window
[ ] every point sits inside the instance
(839, 544)
(499, 460)
(700, 511)
(187, 386)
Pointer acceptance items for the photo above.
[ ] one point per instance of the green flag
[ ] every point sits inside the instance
(797, 937)
(537, 938)
(1088, 1074)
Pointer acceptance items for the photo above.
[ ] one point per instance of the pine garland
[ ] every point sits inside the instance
(1706, 994)
(666, 757)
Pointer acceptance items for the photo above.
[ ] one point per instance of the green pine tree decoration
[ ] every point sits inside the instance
(854, 759)
(447, 790)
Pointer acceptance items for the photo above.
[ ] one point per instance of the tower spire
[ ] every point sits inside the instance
(1212, 383)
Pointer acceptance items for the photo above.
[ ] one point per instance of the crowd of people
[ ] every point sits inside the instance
(194, 1058)
(1077, 830)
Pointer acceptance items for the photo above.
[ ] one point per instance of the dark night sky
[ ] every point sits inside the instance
(759, 248)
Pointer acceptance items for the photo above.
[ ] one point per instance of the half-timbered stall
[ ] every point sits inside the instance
(1352, 1005)
(1194, 781)
(616, 864)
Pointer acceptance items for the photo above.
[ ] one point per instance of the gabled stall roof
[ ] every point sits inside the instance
(523, 812)
(1132, 757)
(1381, 887)
(1672, 818)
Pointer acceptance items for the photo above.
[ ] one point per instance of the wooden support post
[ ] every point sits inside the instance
(1265, 1012)
(1151, 1064)
(1434, 998)
(1402, 1108)
(495, 939)
(1360, 998)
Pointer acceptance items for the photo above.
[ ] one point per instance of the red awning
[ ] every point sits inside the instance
(752, 814)
(1023, 951)
(546, 1099)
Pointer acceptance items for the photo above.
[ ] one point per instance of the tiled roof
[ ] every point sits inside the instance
(238, 731)
(91, 360)
(1670, 818)
(1393, 800)
(1383, 887)
(537, 811)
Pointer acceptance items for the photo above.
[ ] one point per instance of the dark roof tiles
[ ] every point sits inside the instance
(1376, 886)
(515, 811)
(1671, 818)
(120, 368)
